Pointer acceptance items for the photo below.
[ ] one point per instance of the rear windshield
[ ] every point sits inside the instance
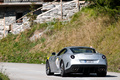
(83, 50)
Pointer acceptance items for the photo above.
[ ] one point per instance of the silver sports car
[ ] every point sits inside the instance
(78, 59)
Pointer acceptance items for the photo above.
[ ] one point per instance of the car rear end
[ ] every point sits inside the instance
(87, 63)
(91, 63)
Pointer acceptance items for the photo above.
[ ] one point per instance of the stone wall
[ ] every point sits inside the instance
(1, 23)
(19, 27)
(69, 8)
(50, 11)
(8, 16)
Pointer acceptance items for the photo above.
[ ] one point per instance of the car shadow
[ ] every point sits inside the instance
(81, 75)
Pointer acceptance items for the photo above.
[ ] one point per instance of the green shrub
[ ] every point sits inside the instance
(3, 77)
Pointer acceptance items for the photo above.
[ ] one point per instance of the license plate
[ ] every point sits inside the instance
(87, 61)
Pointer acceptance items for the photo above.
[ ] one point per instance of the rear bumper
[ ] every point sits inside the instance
(86, 69)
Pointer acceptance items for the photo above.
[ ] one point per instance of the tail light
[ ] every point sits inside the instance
(72, 56)
(103, 56)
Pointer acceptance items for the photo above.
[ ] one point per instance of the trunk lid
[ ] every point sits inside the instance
(87, 56)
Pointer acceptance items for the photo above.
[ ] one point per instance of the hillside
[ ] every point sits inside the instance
(86, 28)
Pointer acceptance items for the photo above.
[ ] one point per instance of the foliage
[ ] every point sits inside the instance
(113, 4)
(17, 48)
(3, 77)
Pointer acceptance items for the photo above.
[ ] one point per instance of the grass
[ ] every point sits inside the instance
(3, 77)
(17, 48)
(86, 28)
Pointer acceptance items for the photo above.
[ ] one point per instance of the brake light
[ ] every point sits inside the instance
(103, 56)
(72, 56)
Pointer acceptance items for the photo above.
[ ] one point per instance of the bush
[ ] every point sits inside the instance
(113, 4)
(3, 77)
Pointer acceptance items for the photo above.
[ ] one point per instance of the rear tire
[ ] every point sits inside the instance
(48, 70)
(63, 74)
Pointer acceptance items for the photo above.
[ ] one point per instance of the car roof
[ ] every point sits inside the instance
(78, 47)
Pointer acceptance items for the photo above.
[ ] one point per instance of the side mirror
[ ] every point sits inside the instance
(53, 53)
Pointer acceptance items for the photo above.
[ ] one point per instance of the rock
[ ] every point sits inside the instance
(46, 17)
(1, 27)
(7, 27)
(47, 14)
(48, 6)
(69, 14)
(1, 32)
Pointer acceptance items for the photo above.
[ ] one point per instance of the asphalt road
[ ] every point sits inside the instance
(21, 71)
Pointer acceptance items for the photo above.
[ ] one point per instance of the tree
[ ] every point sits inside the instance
(113, 4)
